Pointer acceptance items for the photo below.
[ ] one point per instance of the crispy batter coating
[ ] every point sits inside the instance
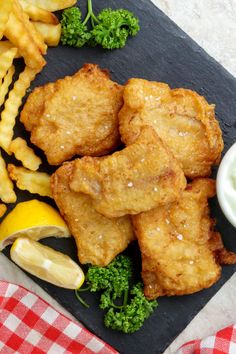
(142, 176)
(98, 238)
(183, 119)
(34, 105)
(222, 255)
(180, 250)
(79, 114)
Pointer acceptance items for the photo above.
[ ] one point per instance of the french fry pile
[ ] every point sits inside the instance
(27, 28)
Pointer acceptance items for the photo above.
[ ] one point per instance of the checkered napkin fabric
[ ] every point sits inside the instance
(223, 342)
(30, 325)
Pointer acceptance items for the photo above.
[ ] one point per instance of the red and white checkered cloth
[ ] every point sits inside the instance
(28, 324)
(222, 342)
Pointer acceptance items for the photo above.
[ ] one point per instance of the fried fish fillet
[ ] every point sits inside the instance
(142, 176)
(180, 250)
(98, 238)
(183, 119)
(77, 115)
(34, 106)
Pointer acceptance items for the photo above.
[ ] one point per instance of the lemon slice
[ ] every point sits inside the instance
(33, 219)
(46, 263)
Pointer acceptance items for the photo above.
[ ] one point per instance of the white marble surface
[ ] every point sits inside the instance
(212, 24)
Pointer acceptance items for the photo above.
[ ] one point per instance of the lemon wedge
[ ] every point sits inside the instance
(46, 263)
(32, 219)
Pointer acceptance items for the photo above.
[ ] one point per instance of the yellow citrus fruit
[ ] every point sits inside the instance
(46, 263)
(32, 219)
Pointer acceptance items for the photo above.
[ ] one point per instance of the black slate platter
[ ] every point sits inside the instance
(161, 52)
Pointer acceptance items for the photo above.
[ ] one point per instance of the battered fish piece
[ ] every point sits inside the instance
(98, 238)
(77, 115)
(34, 105)
(184, 121)
(142, 176)
(181, 252)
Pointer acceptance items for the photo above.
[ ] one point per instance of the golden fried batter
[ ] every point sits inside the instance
(142, 176)
(79, 116)
(180, 250)
(98, 238)
(34, 106)
(183, 119)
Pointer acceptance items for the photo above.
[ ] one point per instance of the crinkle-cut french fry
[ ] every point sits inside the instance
(7, 194)
(35, 35)
(12, 105)
(25, 154)
(53, 5)
(17, 33)
(5, 46)
(3, 209)
(35, 13)
(5, 10)
(6, 60)
(7, 80)
(50, 33)
(34, 182)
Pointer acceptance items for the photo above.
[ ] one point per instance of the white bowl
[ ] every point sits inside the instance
(226, 185)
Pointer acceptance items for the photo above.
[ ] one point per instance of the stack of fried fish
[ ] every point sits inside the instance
(154, 188)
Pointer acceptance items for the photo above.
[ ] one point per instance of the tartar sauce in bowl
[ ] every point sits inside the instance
(226, 185)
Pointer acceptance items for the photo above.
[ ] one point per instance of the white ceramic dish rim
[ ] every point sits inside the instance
(227, 160)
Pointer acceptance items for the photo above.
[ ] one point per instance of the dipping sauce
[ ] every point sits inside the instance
(226, 185)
